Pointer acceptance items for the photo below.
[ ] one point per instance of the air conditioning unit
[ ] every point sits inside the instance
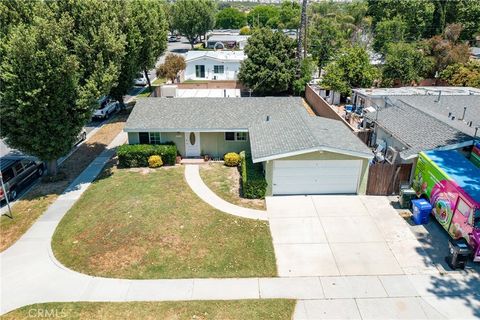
(391, 156)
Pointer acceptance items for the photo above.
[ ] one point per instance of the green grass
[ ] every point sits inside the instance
(195, 81)
(148, 224)
(147, 92)
(225, 182)
(278, 309)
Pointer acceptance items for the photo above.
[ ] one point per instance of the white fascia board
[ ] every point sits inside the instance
(348, 152)
(184, 130)
(299, 152)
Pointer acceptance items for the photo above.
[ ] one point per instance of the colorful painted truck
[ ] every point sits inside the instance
(452, 185)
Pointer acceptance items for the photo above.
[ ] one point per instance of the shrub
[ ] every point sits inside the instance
(155, 161)
(254, 184)
(231, 159)
(136, 155)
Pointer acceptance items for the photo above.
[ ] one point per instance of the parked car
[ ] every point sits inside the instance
(106, 107)
(17, 171)
(172, 39)
(141, 80)
(82, 135)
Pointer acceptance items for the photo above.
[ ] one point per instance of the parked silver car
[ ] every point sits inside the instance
(106, 107)
(17, 172)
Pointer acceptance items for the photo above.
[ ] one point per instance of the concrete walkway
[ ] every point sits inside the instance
(192, 175)
(31, 274)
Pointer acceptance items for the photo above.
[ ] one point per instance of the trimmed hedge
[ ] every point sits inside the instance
(136, 155)
(254, 184)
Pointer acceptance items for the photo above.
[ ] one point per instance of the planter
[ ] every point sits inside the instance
(178, 159)
(206, 157)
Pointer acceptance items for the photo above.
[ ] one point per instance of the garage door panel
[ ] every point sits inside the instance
(316, 176)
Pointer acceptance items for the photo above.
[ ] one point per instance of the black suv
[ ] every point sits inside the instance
(17, 172)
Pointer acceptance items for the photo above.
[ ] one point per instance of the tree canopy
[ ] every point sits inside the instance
(289, 15)
(230, 18)
(171, 67)
(270, 64)
(263, 16)
(389, 31)
(404, 64)
(193, 18)
(466, 74)
(61, 59)
(350, 69)
(325, 40)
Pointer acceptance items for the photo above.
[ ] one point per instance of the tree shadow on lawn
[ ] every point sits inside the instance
(27, 209)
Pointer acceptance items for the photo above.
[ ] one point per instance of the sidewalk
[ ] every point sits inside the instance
(31, 274)
(192, 175)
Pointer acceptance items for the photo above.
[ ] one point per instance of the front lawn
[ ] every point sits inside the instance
(146, 224)
(225, 182)
(278, 309)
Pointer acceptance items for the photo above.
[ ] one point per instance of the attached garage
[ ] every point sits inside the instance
(316, 176)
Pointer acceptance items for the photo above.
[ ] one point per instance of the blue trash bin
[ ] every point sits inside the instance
(421, 211)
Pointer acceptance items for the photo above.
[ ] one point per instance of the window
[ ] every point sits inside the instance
(230, 136)
(218, 69)
(143, 138)
(200, 71)
(18, 167)
(463, 207)
(7, 175)
(241, 136)
(236, 136)
(154, 137)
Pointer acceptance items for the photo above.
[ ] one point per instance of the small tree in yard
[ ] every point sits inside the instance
(350, 69)
(172, 66)
(39, 113)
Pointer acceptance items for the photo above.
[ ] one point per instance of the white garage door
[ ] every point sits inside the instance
(316, 176)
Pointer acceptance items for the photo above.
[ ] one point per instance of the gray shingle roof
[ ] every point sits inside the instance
(289, 127)
(440, 108)
(416, 129)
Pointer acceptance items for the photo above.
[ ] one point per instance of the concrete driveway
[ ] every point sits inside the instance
(343, 236)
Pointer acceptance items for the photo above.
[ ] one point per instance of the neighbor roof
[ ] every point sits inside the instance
(441, 107)
(277, 126)
(417, 91)
(218, 55)
(417, 130)
(227, 37)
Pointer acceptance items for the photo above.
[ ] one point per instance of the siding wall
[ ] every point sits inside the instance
(230, 70)
(321, 156)
(211, 143)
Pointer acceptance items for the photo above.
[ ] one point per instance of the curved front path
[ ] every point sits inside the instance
(31, 274)
(192, 175)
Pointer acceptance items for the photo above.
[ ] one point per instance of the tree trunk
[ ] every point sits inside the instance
(121, 102)
(52, 167)
(148, 80)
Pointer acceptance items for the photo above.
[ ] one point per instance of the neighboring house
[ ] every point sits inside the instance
(300, 153)
(364, 97)
(227, 41)
(407, 125)
(213, 65)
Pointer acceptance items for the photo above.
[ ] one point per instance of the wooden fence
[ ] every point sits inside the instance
(385, 179)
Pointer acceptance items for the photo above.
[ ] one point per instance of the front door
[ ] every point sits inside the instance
(192, 144)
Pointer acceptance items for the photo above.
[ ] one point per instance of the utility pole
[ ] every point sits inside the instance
(303, 22)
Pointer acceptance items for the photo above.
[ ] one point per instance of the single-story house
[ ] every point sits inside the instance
(410, 124)
(213, 65)
(301, 153)
(227, 41)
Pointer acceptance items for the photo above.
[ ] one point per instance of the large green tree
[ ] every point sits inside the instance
(40, 86)
(152, 24)
(289, 15)
(350, 69)
(193, 18)
(388, 31)
(270, 64)
(263, 16)
(404, 64)
(325, 39)
(231, 18)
